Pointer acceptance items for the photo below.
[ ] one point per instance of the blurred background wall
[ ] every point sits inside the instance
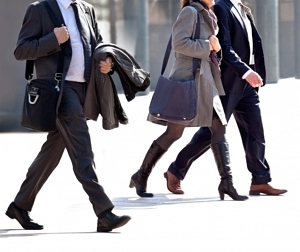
(143, 27)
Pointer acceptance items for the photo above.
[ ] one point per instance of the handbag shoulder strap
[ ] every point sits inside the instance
(60, 66)
(169, 48)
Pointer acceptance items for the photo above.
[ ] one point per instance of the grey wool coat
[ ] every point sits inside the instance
(207, 77)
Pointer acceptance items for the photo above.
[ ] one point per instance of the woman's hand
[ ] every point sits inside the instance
(214, 44)
(106, 66)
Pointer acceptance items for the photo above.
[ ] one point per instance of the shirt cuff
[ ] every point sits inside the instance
(246, 74)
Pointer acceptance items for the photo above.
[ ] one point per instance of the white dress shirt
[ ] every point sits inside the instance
(76, 68)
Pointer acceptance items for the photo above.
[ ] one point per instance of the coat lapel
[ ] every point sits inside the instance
(88, 17)
(54, 6)
(67, 48)
(237, 16)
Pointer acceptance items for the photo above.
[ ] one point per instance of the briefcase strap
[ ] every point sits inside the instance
(169, 48)
(60, 65)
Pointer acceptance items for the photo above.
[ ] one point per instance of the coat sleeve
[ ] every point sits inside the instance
(230, 57)
(182, 35)
(32, 43)
(96, 29)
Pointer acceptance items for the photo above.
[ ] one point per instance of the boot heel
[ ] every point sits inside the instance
(132, 184)
(221, 195)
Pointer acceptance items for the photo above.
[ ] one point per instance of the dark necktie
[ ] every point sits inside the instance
(247, 11)
(85, 43)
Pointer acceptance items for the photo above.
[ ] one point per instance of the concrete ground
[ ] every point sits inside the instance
(195, 221)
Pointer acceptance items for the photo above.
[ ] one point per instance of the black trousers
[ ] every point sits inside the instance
(245, 108)
(72, 133)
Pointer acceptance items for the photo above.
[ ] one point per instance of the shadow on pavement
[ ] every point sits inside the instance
(18, 235)
(158, 200)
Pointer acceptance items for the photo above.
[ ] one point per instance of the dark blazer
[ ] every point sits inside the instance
(37, 40)
(235, 47)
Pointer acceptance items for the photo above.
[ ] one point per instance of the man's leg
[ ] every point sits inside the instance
(199, 144)
(39, 171)
(74, 130)
(248, 117)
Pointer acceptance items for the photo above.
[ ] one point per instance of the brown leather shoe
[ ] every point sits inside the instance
(173, 183)
(266, 189)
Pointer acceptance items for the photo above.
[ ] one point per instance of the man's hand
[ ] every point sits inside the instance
(106, 66)
(214, 44)
(254, 79)
(62, 34)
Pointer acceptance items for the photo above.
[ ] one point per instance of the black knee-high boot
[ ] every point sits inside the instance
(140, 178)
(221, 154)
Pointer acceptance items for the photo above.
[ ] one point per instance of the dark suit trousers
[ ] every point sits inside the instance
(245, 108)
(72, 133)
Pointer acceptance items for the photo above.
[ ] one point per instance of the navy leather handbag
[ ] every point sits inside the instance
(175, 101)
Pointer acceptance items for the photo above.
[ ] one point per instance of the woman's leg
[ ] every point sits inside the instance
(219, 147)
(154, 153)
(173, 133)
(218, 131)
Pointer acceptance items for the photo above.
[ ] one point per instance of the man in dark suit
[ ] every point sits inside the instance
(41, 41)
(243, 72)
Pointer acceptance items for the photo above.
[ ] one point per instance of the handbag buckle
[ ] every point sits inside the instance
(58, 78)
(33, 95)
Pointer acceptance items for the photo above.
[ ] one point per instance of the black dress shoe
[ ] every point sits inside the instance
(22, 217)
(111, 221)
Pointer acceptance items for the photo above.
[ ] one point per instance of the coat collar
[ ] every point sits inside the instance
(197, 5)
(205, 13)
(65, 3)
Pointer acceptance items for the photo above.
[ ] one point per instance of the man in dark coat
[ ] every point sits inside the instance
(41, 41)
(243, 72)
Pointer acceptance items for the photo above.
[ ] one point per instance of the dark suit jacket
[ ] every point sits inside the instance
(37, 40)
(235, 47)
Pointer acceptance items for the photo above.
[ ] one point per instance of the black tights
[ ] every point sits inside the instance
(174, 132)
(218, 131)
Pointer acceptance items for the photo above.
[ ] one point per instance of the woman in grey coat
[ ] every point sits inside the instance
(209, 87)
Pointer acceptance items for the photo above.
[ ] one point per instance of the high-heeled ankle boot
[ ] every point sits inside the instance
(140, 178)
(221, 154)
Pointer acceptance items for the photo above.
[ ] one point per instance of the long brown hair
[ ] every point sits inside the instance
(187, 2)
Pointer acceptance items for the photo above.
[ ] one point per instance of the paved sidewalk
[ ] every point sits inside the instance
(195, 221)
